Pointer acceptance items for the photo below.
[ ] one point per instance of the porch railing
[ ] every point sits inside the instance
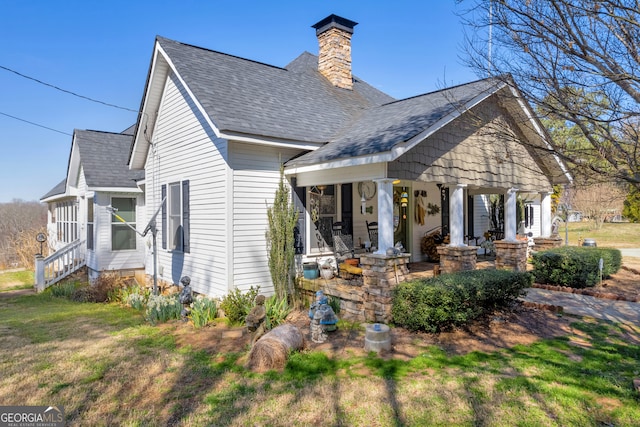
(59, 265)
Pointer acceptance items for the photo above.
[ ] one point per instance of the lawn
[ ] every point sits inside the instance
(107, 366)
(13, 280)
(618, 235)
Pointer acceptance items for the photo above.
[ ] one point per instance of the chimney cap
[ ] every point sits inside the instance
(334, 21)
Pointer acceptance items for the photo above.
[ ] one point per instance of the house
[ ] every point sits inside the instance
(78, 214)
(215, 129)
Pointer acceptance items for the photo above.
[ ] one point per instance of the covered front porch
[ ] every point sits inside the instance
(368, 296)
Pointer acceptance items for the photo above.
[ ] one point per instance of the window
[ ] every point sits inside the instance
(175, 216)
(122, 236)
(66, 219)
(90, 223)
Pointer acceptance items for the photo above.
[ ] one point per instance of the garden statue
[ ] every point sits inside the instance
(186, 297)
(255, 318)
(323, 319)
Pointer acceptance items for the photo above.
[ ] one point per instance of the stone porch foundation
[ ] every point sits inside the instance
(366, 298)
(511, 255)
(544, 243)
(457, 258)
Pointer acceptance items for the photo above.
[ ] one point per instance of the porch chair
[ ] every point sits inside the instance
(343, 249)
(372, 229)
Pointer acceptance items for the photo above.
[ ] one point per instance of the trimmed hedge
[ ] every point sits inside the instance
(575, 266)
(449, 300)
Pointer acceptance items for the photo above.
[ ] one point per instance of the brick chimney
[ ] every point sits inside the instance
(334, 59)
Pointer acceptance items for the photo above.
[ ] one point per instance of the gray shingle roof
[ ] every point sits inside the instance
(104, 157)
(381, 128)
(58, 190)
(243, 96)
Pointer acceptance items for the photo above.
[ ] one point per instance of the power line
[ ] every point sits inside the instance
(35, 124)
(67, 91)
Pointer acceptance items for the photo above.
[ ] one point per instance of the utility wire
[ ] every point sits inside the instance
(35, 124)
(66, 91)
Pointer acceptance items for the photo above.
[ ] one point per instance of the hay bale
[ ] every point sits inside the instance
(273, 348)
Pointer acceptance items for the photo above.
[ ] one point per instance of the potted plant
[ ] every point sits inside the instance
(326, 269)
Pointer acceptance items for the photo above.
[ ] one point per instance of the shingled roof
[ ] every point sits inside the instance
(381, 128)
(104, 156)
(294, 103)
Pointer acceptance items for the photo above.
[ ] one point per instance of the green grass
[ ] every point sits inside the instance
(107, 366)
(14, 280)
(618, 235)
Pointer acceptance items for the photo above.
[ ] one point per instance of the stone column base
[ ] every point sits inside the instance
(380, 275)
(511, 255)
(544, 243)
(457, 258)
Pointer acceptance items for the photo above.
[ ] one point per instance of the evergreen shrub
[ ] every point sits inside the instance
(450, 300)
(575, 266)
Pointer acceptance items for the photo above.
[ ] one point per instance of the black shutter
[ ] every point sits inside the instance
(444, 209)
(470, 214)
(164, 216)
(347, 207)
(185, 217)
(299, 201)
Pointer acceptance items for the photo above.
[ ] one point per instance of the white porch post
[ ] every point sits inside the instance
(510, 225)
(385, 215)
(545, 214)
(456, 216)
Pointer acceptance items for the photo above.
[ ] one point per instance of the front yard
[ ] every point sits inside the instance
(107, 366)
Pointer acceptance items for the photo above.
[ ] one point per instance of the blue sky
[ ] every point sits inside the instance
(102, 50)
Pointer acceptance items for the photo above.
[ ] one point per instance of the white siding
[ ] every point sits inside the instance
(186, 148)
(103, 258)
(256, 174)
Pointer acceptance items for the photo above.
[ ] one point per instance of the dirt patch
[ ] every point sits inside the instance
(506, 329)
(521, 325)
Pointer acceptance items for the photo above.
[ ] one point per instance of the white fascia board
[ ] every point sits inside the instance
(540, 131)
(116, 190)
(73, 168)
(402, 148)
(55, 198)
(341, 163)
(269, 141)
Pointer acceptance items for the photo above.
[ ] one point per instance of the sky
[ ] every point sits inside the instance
(102, 50)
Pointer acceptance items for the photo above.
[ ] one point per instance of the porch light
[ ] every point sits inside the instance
(363, 205)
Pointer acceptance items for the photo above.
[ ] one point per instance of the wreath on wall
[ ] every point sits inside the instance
(432, 209)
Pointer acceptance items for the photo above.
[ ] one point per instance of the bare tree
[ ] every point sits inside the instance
(20, 222)
(598, 202)
(577, 62)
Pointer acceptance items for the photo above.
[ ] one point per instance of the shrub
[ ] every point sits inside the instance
(203, 311)
(449, 300)
(64, 289)
(162, 308)
(277, 311)
(577, 267)
(237, 305)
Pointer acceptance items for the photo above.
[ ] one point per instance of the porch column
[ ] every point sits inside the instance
(385, 215)
(456, 216)
(510, 225)
(545, 214)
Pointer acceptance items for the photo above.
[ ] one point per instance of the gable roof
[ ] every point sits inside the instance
(248, 98)
(103, 156)
(382, 128)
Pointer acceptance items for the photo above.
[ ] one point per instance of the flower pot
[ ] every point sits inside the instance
(326, 273)
(310, 270)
